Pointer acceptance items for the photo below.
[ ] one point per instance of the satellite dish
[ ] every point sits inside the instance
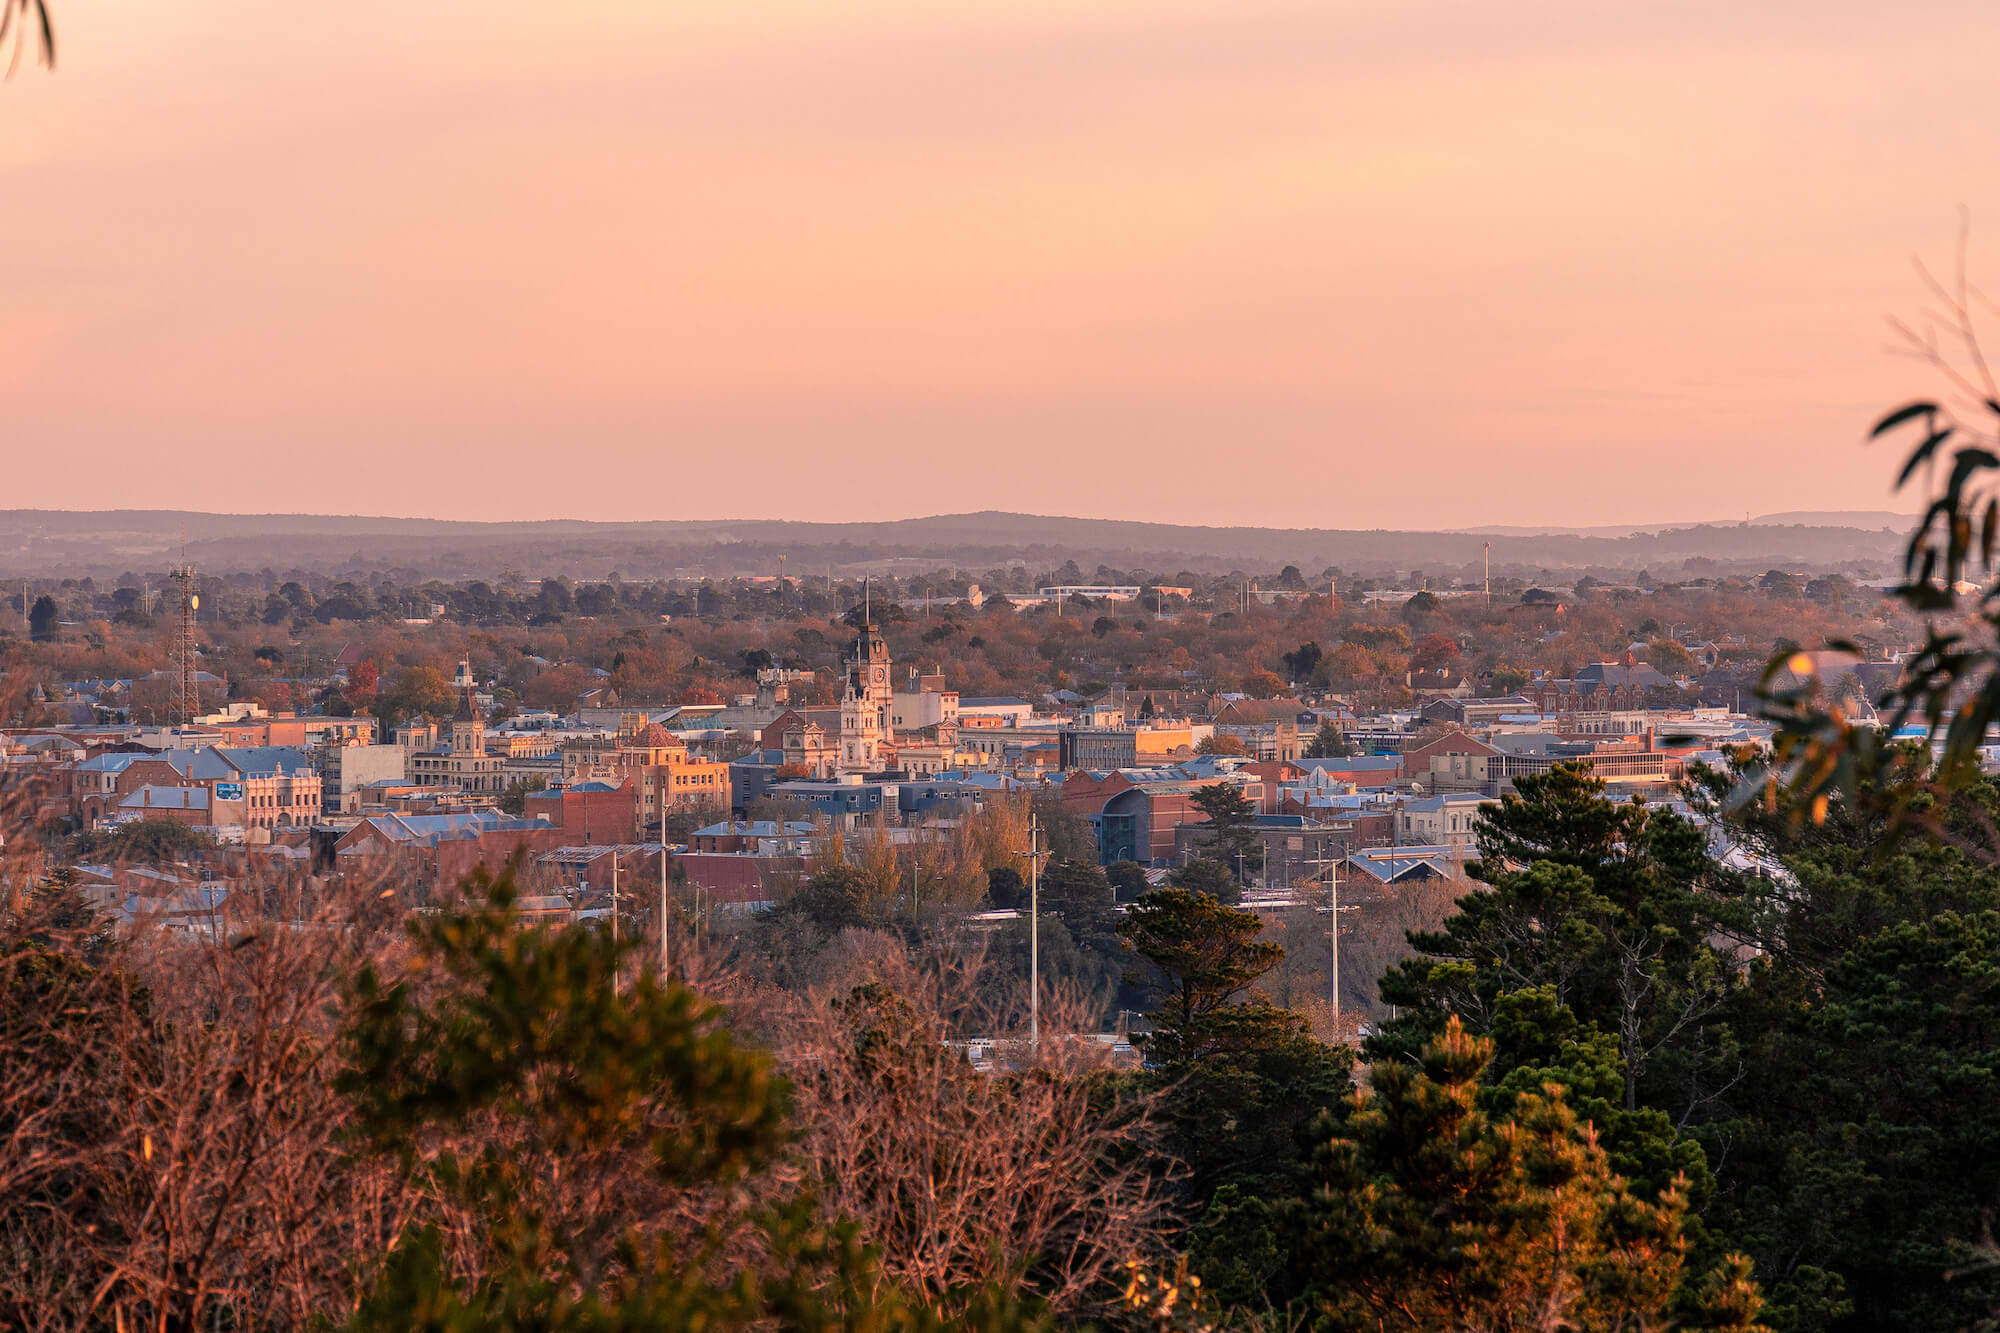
(194, 602)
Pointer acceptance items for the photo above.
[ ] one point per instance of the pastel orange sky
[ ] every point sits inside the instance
(1316, 264)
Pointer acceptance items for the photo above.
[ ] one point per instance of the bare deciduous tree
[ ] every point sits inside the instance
(964, 1172)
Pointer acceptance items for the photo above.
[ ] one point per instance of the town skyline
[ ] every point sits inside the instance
(1151, 666)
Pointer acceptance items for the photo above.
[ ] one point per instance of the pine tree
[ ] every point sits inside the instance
(1611, 906)
(44, 620)
(1431, 1213)
(1231, 823)
(1242, 1082)
(1204, 954)
(1205, 874)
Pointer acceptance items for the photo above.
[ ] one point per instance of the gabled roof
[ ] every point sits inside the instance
(1390, 864)
(758, 828)
(1257, 712)
(1430, 804)
(180, 760)
(252, 760)
(1460, 742)
(429, 830)
(166, 798)
(1360, 763)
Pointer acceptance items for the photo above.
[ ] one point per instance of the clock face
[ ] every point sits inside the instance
(878, 675)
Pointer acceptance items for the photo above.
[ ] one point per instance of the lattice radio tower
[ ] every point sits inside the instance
(187, 701)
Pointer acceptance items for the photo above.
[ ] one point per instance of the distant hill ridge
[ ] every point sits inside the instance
(106, 543)
(1866, 520)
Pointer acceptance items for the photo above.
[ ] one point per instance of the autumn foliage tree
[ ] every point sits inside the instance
(1432, 1214)
(1262, 684)
(362, 680)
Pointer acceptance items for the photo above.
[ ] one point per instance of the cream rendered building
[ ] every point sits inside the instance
(867, 740)
(464, 763)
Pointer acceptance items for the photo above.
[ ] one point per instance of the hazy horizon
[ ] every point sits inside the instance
(1863, 520)
(1277, 265)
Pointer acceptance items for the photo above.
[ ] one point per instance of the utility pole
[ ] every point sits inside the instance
(663, 898)
(1333, 929)
(614, 919)
(1333, 891)
(1034, 931)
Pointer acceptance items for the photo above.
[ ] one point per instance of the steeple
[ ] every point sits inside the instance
(864, 708)
(468, 724)
(868, 662)
(468, 707)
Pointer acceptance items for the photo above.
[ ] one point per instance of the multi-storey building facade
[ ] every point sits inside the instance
(463, 762)
(867, 737)
(665, 777)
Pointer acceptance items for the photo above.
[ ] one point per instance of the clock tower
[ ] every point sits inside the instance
(868, 667)
(864, 707)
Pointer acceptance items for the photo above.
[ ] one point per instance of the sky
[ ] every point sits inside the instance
(1318, 264)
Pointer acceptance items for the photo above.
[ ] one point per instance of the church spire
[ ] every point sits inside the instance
(468, 707)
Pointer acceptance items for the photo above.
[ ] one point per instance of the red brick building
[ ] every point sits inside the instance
(587, 812)
(426, 855)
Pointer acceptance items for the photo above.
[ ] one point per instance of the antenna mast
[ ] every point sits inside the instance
(186, 698)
